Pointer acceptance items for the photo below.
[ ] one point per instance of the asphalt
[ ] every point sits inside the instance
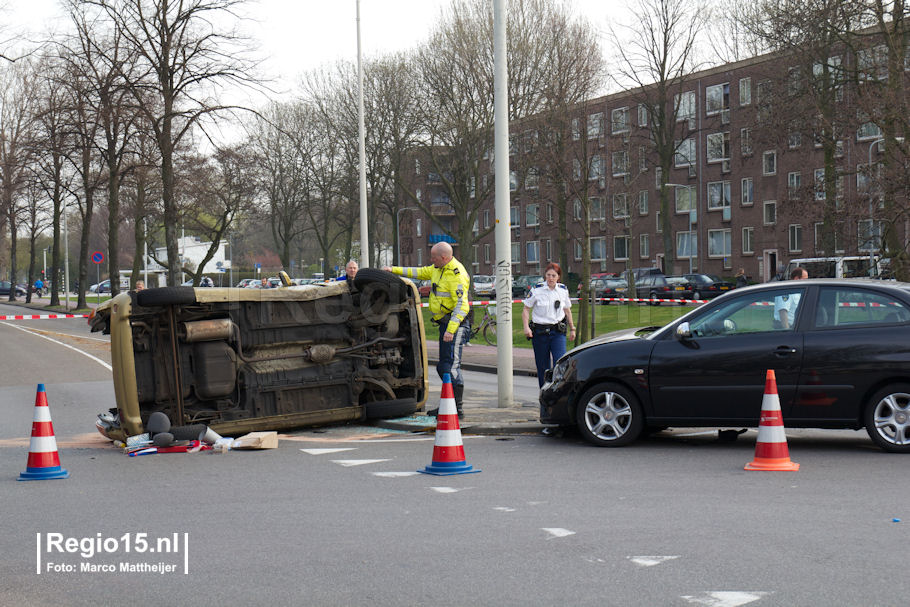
(482, 413)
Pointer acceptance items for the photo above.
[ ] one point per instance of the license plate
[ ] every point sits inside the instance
(620, 289)
(680, 288)
(724, 288)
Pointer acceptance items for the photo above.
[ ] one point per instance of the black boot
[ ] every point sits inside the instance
(458, 389)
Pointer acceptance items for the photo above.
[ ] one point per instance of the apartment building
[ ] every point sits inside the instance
(747, 182)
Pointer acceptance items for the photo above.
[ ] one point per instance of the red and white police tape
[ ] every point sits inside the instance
(40, 316)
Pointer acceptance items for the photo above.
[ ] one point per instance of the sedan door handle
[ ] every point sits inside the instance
(781, 350)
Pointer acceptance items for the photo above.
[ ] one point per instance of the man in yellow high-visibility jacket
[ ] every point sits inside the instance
(450, 309)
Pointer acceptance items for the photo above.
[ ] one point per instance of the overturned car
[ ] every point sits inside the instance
(239, 360)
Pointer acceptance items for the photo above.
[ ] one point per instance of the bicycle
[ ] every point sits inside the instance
(487, 326)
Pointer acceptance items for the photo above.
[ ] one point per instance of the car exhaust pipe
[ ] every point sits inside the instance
(207, 330)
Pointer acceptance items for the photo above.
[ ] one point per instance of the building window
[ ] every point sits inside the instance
(577, 248)
(794, 181)
(549, 254)
(685, 245)
(745, 142)
(870, 235)
(620, 206)
(794, 139)
(748, 234)
(718, 147)
(577, 210)
(747, 193)
(596, 170)
(419, 257)
(619, 119)
(516, 253)
(486, 219)
(685, 199)
(532, 215)
(532, 248)
(486, 253)
(719, 243)
(644, 246)
(658, 175)
(597, 209)
(532, 179)
(598, 248)
(819, 235)
(576, 129)
(595, 125)
(418, 194)
(658, 226)
(514, 217)
(576, 169)
(684, 104)
(796, 238)
(642, 114)
(643, 202)
(620, 163)
(867, 131)
(820, 184)
(685, 153)
(642, 159)
(718, 194)
(717, 98)
(770, 212)
(549, 213)
(475, 251)
(513, 181)
(745, 91)
(620, 248)
(418, 226)
(769, 163)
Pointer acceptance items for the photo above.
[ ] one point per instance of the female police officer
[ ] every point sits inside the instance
(550, 312)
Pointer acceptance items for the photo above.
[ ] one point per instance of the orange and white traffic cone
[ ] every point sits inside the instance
(771, 452)
(448, 449)
(43, 459)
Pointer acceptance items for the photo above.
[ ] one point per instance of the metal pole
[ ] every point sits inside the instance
(361, 148)
(145, 253)
(502, 229)
(66, 263)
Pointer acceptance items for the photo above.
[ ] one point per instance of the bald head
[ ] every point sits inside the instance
(441, 254)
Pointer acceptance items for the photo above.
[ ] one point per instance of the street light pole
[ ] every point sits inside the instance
(398, 229)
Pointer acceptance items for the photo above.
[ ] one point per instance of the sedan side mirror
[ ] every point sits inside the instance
(683, 331)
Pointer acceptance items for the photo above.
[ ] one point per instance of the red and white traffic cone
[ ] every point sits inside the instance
(771, 452)
(43, 459)
(448, 449)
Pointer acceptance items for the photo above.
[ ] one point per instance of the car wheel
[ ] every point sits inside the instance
(390, 408)
(696, 295)
(887, 418)
(372, 279)
(166, 296)
(653, 297)
(609, 415)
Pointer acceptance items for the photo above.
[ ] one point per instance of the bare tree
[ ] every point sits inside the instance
(17, 113)
(36, 219)
(186, 49)
(655, 56)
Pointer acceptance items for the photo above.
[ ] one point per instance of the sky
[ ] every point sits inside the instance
(298, 35)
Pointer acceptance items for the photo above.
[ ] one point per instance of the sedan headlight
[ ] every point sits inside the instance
(564, 367)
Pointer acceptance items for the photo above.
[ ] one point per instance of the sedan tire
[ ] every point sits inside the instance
(609, 415)
(887, 418)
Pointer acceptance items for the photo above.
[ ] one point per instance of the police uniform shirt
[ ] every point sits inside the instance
(543, 303)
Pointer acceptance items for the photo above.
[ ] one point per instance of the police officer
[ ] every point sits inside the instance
(549, 310)
(449, 308)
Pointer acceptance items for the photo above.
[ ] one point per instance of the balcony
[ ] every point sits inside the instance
(434, 238)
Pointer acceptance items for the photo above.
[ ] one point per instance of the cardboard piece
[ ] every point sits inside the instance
(257, 440)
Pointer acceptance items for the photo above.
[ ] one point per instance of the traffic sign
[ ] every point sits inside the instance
(97, 257)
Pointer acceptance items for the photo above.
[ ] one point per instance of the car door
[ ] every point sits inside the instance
(718, 373)
(856, 341)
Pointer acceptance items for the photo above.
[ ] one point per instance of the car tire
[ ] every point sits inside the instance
(653, 296)
(609, 415)
(887, 418)
(166, 296)
(401, 407)
(696, 295)
(372, 278)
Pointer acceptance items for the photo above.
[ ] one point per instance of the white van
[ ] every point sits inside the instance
(842, 267)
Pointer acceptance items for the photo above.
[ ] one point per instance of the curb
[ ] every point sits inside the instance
(486, 368)
(425, 423)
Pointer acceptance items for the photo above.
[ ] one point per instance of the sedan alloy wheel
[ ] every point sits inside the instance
(888, 418)
(609, 416)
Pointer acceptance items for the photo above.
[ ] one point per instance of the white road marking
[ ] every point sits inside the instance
(557, 531)
(60, 343)
(706, 433)
(650, 561)
(445, 489)
(722, 598)
(324, 451)
(395, 474)
(395, 440)
(504, 509)
(347, 463)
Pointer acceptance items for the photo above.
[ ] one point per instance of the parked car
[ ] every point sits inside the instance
(522, 285)
(657, 286)
(683, 288)
(844, 363)
(484, 286)
(595, 277)
(205, 281)
(610, 288)
(5, 288)
(265, 360)
(102, 287)
(708, 286)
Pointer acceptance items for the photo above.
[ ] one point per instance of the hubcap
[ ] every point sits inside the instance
(892, 418)
(608, 415)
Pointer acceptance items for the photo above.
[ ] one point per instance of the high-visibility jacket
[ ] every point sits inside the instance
(449, 293)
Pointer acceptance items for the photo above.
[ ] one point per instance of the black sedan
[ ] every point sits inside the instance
(606, 289)
(708, 286)
(843, 362)
(522, 285)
